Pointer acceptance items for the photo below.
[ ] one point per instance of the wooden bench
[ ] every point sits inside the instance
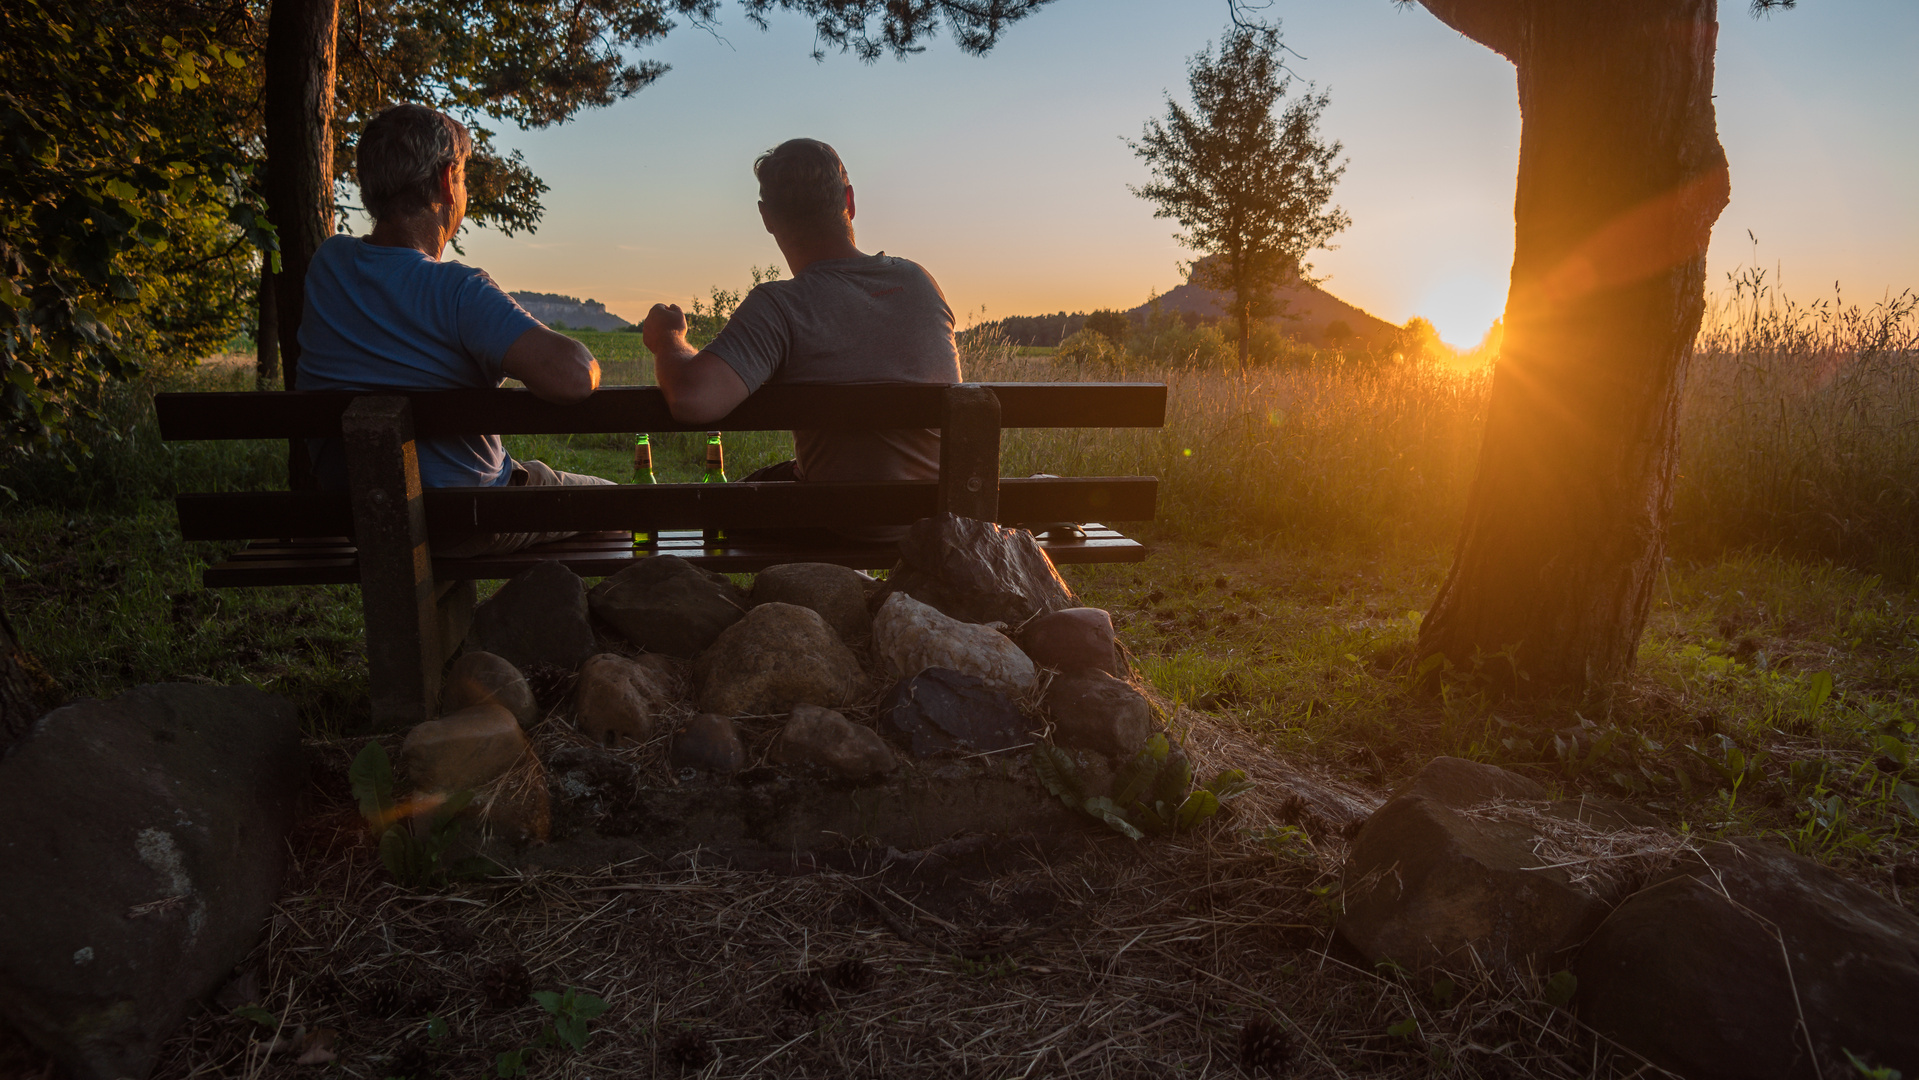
(379, 533)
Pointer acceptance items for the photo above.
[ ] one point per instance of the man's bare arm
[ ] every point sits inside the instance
(555, 367)
(699, 386)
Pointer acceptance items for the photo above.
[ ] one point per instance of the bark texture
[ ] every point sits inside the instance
(298, 110)
(1621, 177)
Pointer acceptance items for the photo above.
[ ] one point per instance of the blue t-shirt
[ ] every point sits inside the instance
(390, 318)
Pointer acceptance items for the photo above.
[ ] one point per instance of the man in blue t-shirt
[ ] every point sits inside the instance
(385, 313)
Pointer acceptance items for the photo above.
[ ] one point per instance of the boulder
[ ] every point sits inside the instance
(977, 571)
(463, 751)
(1080, 637)
(943, 712)
(539, 617)
(910, 637)
(777, 657)
(1462, 784)
(1094, 711)
(667, 605)
(838, 593)
(708, 743)
(825, 739)
(1427, 884)
(481, 678)
(617, 700)
(144, 846)
(1693, 972)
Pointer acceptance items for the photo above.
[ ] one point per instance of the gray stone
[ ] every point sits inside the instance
(1463, 784)
(617, 700)
(1072, 638)
(943, 712)
(481, 678)
(827, 740)
(708, 743)
(977, 571)
(144, 846)
(837, 593)
(463, 751)
(910, 637)
(1093, 710)
(539, 617)
(1426, 884)
(667, 605)
(1693, 971)
(777, 657)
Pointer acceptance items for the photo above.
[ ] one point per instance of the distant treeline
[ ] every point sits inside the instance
(1052, 329)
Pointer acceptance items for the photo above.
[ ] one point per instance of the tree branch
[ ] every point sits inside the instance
(1496, 24)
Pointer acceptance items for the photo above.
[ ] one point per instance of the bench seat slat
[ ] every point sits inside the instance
(278, 414)
(331, 561)
(270, 514)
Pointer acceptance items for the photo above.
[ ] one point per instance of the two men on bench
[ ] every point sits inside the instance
(843, 317)
(386, 313)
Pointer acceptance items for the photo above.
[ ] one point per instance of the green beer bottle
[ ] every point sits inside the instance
(715, 474)
(643, 474)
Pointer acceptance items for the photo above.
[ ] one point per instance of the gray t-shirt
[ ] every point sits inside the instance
(872, 319)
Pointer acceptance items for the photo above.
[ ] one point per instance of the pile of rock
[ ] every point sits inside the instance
(968, 649)
(1709, 959)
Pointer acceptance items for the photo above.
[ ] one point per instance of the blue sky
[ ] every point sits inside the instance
(1006, 176)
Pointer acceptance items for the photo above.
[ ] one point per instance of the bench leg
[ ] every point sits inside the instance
(969, 453)
(456, 600)
(404, 641)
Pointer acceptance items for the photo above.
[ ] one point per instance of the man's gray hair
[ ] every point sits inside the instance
(803, 183)
(400, 157)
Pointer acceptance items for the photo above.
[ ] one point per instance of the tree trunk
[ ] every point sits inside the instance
(1621, 177)
(298, 110)
(1245, 333)
(266, 334)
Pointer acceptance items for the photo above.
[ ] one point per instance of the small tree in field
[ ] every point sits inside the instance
(1250, 188)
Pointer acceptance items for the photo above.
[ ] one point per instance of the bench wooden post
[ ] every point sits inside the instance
(969, 452)
(409, 618)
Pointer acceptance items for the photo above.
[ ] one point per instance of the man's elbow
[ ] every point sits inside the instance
(690, 409)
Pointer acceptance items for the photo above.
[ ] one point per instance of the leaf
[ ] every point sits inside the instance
(1198, 806)
(436, 1027)
(1106, 810)
(1229, 784)
(548, 1000)
(1175, 780)
(588, 1006)
(510, 1063)
(1560, 987)
(257, 1015)
(1404, 1029)
(1818, 689)
(405, 858)
(371, 777)
(1910, 796)
(1055, 770)
(1443, 992)
(1136, 779)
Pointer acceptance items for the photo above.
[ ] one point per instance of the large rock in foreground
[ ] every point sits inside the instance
(777, 657)
(945, 712)
(667, 605)
(144, 845)
(910, 637)
(1092, 710)
(539, 617)
(838, 593)
(1709, 972)
(977, 571)
(482, 678)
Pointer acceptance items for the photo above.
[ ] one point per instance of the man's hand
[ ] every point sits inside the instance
(664, 329)
(699, 386)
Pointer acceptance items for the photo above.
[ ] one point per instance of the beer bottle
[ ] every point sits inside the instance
(643, 474)
(715, 474)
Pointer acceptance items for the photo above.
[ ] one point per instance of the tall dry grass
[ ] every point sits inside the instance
(1800, 434)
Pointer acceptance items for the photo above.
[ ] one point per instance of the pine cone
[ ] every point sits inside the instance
(1263, 1046)
(806, 995)
(854, 976)
(506, 984)
(690, 1050)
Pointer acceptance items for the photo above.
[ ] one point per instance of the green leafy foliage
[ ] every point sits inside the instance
(413, 846)
(1152, 793)
(571, 1012)
(1560, 988)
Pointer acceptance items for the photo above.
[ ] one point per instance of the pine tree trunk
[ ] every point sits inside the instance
(1621, 177)
(1245, 334)
(266, 335)
(298, 110)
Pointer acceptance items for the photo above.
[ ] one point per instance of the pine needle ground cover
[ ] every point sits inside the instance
(1775, 696)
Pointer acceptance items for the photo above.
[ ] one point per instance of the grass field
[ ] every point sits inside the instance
(1307, 512)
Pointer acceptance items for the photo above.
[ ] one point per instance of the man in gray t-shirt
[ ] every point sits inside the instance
(844, 317)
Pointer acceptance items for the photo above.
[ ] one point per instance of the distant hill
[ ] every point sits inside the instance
(1310, 310)
(569, 311)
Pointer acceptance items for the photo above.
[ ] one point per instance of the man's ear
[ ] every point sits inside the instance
(849, 202)
(447, 173)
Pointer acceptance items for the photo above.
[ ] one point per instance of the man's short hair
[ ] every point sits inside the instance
(803, 184)
(400, 157)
